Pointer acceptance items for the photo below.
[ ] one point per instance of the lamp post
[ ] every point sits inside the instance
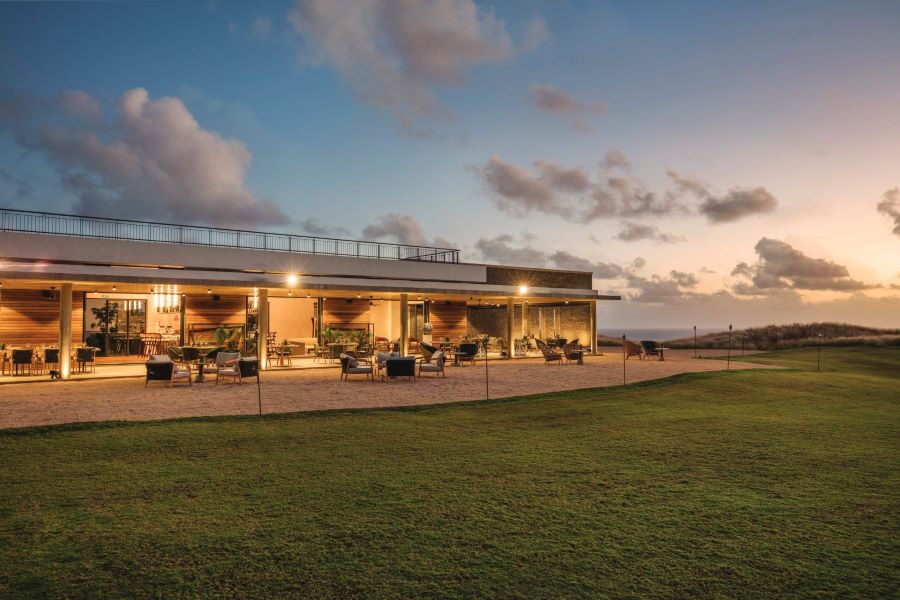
(624, 357)
(695, 341)
(728, 365)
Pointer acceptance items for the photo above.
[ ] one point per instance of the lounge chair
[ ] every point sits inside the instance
(632, 349)
(351, 366)
(404, 366)
(467, 352)
(240, 369)
(573, 353)
(51, 359)
(652, 348)
(550, 355)
(161, 368)
(427, 351)
(435, 365)
(223, 359)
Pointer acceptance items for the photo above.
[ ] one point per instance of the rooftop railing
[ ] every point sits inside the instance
(26, 221)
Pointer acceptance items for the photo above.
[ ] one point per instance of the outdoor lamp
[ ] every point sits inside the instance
(291, 279)
(523, 289)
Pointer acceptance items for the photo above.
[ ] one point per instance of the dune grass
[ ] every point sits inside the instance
(741, 484)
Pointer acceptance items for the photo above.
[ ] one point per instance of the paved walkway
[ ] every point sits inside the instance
(320, 389)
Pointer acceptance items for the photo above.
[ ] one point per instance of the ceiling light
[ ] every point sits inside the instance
(292, 279)
(523, 289)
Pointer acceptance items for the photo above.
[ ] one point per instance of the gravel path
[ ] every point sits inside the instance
(320, 389)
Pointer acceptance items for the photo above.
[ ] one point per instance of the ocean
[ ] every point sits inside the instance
(658, 335)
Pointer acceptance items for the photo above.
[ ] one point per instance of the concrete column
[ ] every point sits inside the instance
(65, 330)
(510, 322)
(524, 322)
(404, 324)
(262, 318)
(593, 316)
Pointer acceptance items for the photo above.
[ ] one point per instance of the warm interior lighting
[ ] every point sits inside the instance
(292, 279)
(208, 291)
(523, 289)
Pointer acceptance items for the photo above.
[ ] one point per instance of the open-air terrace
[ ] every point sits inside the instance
(284, 390)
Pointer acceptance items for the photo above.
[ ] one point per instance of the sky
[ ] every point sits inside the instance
(712, 162)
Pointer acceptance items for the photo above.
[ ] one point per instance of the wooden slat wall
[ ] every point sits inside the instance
(202, 311)
(340, 314)
(27, 317)
(448, 319)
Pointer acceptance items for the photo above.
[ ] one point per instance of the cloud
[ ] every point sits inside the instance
(616, 159)
(781, 266)
(500, 249)
(403, 229)
(737, 204)
(633, 232)
(601, 270)
(734, 205)
(564, 179)
(556, 102)
(569, 192)
(314, 227)
(890, 206)
(658, 289)
(517, 192)
(536, 35)
(394, 53)
(152, 161)
(81, 105)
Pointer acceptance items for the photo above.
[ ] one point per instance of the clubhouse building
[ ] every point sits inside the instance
(132, 288)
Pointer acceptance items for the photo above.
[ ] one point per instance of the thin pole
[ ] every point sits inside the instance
(728, 368)
(487, 389)
(743, 337)
(819, 355)
(624, 356)
(695, 341)
(776, 338)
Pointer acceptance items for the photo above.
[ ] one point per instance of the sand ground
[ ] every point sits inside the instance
(49, 403)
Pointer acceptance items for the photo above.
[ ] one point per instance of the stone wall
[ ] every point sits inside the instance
(492, 321)
(572, 321)
(539, 278)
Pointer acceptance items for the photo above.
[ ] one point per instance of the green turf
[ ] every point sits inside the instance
(744, 484)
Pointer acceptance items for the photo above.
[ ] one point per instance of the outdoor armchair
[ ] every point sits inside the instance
(223, 359)
(632, 349)
(435, 365)
(240, 369)
(550, 355)
(427, 351)
(652, 348)
(400, 367)
(161, 368)
(351, 366)
(467, 352)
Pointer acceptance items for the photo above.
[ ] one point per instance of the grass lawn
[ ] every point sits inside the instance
(741, 484)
